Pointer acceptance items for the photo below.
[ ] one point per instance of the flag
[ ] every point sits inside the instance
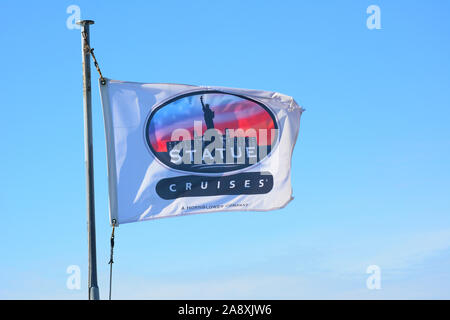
(177, 149)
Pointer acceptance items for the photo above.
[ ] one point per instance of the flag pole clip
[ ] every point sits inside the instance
(111, 259)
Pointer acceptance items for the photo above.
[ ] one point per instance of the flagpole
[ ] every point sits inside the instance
(89, 162)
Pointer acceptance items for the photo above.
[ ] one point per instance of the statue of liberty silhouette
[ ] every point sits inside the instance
(208, 114)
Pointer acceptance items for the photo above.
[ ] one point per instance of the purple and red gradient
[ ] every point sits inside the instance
(230, 112)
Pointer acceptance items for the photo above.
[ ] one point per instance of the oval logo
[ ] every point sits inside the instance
(211, 132)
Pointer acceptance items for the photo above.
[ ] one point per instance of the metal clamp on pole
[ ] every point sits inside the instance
(89, 162)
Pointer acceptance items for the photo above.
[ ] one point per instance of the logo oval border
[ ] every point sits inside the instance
(199, 92)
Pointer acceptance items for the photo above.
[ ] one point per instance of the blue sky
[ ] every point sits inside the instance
(370, 169)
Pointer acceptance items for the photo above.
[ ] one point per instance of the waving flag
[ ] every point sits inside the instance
(178, 149)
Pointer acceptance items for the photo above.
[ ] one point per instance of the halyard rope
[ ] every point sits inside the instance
(91, 51)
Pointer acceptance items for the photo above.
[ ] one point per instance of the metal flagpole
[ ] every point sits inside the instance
(89, 162)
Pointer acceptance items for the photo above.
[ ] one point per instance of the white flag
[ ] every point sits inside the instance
(177, 149)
